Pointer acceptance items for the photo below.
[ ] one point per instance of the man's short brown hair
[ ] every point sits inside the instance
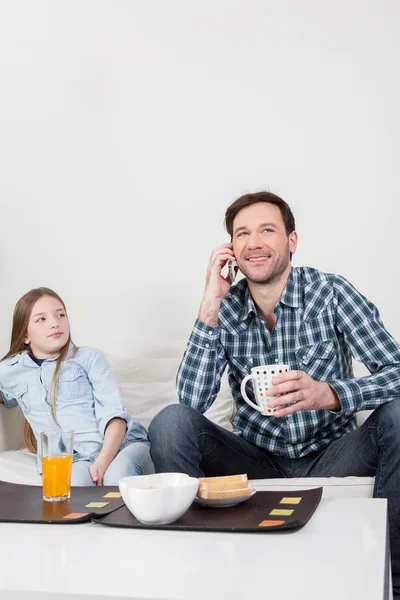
(249, 199)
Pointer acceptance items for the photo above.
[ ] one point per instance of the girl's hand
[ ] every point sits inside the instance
(114, 434)
(96, 473)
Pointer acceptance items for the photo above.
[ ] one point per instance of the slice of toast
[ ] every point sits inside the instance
(221, 486)
(232, 480)
(223, 494)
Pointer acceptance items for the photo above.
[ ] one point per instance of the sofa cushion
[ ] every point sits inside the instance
(147, 385)
(11, 428)
(146, 376)
(334, 487)
(19, 466)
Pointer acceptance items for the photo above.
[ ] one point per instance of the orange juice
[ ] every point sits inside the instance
(57, 476)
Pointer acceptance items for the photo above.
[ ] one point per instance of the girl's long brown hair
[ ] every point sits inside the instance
(21, 316)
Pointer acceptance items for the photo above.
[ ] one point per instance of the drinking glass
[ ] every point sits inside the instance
(56, 454)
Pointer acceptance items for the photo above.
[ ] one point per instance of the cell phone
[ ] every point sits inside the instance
(231, 271)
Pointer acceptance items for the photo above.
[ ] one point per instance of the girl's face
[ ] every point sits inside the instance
(48, 328)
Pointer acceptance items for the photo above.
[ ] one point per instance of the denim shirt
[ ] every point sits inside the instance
(87, 398)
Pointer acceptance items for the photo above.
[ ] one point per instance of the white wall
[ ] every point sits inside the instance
(127, 127)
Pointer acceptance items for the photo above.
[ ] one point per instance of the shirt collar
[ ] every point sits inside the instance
(248, 305)
(292, 293)
(291, 296)
(26, 360)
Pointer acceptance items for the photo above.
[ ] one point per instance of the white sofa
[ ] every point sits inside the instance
(146, 376)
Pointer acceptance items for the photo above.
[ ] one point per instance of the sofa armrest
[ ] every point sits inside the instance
(11, 428)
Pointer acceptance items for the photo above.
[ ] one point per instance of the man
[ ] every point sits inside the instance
(312, 321)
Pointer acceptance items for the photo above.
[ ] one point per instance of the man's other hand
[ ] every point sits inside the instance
(301, 392)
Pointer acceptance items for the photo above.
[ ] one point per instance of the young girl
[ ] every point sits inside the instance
(59, 386)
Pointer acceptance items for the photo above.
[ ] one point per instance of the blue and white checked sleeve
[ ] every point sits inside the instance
(199, 376)
(371, 344)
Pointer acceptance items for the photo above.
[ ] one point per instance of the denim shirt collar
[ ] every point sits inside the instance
(26, 360)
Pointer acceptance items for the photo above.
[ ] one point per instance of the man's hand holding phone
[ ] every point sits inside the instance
(217, 286)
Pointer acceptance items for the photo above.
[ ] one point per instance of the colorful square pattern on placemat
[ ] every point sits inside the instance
(24, 503)
(264, 511)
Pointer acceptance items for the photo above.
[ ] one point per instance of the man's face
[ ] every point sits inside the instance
(260, 244)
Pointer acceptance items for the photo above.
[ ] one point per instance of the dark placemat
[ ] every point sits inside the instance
(252, 515)
(24, 503)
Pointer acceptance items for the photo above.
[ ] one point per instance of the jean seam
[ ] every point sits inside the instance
(239, 453)
(342, 453)
(382, 463)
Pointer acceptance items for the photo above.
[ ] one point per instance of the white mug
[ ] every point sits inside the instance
(261, 377)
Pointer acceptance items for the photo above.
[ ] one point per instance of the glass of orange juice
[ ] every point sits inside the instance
(56, 453)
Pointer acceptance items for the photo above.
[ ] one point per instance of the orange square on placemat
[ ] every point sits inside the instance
(75, 515)
(271, 523)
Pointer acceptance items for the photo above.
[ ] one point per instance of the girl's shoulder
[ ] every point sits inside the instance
(84, 355)
(11, 361)
(11, 370)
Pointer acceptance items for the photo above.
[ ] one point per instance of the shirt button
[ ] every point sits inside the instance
(276, 360)
(81, 449)
(207, 345)
(210, 332)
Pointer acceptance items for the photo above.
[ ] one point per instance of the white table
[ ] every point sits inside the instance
(340, 553)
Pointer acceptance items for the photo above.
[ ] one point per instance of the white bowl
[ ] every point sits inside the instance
(158, 499)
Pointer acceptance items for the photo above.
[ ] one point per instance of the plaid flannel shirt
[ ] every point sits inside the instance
(322, 321)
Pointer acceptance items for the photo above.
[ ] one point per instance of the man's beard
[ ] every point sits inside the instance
(274, 273)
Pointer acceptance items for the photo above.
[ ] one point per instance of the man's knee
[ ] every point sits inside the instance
(172, 421)
(388, 414)
(386, 418)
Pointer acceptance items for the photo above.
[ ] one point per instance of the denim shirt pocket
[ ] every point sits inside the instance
(73, 383)
(20, 394)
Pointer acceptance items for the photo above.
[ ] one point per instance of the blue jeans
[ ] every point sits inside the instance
(206, 449)
(134, 459)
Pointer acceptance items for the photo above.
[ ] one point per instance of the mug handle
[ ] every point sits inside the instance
(245, 396)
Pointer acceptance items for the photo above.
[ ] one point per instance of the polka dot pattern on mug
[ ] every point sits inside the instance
(262, 383)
